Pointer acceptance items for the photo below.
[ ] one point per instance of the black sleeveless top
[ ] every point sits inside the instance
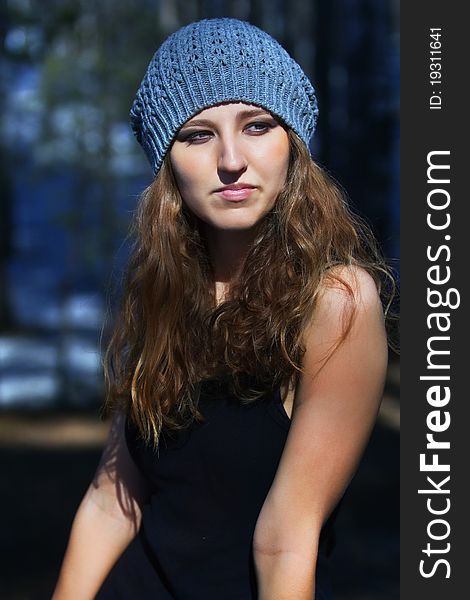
(208, 484)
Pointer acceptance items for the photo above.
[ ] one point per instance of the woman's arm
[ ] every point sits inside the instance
(106, 522)
(335, 407)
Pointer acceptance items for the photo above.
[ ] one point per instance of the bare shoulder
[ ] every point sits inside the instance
(348, 308)
(335, 405)
(348, 284)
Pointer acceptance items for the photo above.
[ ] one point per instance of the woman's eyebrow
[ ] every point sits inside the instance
(198, 123)
(253, 112)
(244, 114)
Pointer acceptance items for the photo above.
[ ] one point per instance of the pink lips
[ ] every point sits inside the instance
(236, 192)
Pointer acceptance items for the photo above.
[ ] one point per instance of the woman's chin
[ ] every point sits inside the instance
(234, 227)
(234, 223)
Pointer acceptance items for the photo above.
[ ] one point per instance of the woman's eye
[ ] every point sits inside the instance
(196, 137)
(259, 127)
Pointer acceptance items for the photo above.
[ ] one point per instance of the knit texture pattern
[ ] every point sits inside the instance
(214, 61)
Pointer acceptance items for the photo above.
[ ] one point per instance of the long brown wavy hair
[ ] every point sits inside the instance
(170, 334)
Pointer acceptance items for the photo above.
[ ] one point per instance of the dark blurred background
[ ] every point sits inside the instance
(70, 173)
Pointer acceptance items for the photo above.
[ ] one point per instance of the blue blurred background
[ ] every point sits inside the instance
(70, 173)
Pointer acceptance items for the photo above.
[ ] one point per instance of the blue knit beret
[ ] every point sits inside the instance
(214, 61)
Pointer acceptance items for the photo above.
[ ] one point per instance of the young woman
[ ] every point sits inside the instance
(247, 365)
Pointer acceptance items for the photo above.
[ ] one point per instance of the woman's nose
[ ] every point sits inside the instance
(232, 158)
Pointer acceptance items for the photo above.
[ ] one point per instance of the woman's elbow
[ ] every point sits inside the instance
(285, 548)
(284, 573)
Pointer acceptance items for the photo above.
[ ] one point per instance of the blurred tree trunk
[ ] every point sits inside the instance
(299, 19)
(6, 225)
(6, 315)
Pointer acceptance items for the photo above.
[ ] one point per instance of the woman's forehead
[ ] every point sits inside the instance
(226, 110)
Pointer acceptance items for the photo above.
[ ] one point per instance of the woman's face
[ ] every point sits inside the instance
(230, 163)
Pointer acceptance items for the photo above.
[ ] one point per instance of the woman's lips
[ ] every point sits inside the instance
(235, 194)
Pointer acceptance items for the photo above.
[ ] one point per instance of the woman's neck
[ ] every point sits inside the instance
(227, 252)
